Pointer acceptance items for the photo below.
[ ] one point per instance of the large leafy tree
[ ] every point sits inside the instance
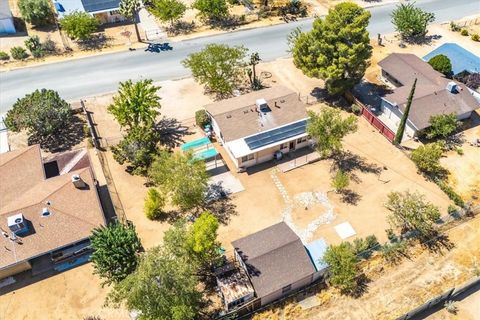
(427, 158)
(79, 25)
(403, 121)
(410, 212)
(129, 9)
(181, 177)
(442, 64)
(218, 67)
(328, 129)
(202, 241)
(36, 12)
(211, 10)
(136, 104)
(138, 149)
(43, 113)
(337, 49)
(163, 287)
(443, 125)
(410, 21)
(342, 265)
(168, 10)
(115, 248)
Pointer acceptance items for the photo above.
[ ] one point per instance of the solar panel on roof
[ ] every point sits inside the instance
(100, 5)
(275, 135)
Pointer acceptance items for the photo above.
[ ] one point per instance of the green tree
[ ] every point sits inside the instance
(129, 9)
(79, 25)
(218, 67)
(43, 113)
(443, 125)
(211, 10)
(136, 104)
(403, 121)
(427, 158)
(337, 49)
(328, 129)
(342, 264)
(36, 12)
(410, 21)
(115, 249)
(154, 203)
(442, 64)
(340, 181)
(202, 240)
(168, 10)
(138, 149)
(410, 212)
(163, 287)
(181, 177)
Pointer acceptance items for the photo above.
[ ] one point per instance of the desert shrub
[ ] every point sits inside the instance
(49, 45)
(454, 27)
(340, 181)
(459, 151)
(464, 32)
(356, 109)
(154, 203)
(475, 37)
(363, 247)
(452, 209)
(36, 12)
(393, 252)
(455, 197)
(201, 118)
(4, 55)
(18, 53)
(35, 46)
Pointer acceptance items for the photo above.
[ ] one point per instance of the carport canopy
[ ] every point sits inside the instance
(195, 144)
(206, 154)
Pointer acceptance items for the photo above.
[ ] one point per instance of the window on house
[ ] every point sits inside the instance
(286, 288)
(247, 158)
(114, 12)
(302, 140)
(283, 146)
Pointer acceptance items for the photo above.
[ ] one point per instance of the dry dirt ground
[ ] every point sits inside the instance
(260, 205)
(400, 288)
(468, 309)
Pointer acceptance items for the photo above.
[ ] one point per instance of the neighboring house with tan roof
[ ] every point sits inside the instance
(42, 217)
(276, 262)
(434, 94)
(255, 126)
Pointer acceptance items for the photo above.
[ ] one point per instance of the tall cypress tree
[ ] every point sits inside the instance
(403, 122)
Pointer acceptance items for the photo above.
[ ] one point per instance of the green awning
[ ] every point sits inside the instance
(205, 154)
(195, 144)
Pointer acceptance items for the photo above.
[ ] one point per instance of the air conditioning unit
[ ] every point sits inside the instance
(17, 224)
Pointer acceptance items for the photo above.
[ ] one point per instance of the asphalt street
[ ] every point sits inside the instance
(97, 74)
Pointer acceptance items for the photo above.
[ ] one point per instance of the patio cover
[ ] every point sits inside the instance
(195, 144)
(206, 154)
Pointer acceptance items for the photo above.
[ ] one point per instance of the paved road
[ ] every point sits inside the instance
(89, 76)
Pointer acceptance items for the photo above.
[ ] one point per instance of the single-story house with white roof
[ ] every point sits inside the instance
(106, 11)
(257, 126)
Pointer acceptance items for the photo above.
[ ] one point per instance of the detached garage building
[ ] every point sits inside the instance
(6, 19)
(276, 262)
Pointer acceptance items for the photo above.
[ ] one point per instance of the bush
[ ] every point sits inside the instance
(154, 203)
(442, 64)
(18, 53)
(36, 12)
(460, 151)
(211, 10)
(464, 32)
(363, 247)
(427, 159)
(356, 109)
(393, 252)
(35, 46)
(201, 118)
(340, 181)
(452, 209)
(4, 56)
(476, 37)
(454, 27)
(79, 25)
(455, 197)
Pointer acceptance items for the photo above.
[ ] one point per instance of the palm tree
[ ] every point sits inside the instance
(129, 9)
(136, 104)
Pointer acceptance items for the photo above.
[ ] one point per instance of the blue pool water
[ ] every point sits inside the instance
(461, 58)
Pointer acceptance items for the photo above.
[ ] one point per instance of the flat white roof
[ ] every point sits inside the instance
(239, 147)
